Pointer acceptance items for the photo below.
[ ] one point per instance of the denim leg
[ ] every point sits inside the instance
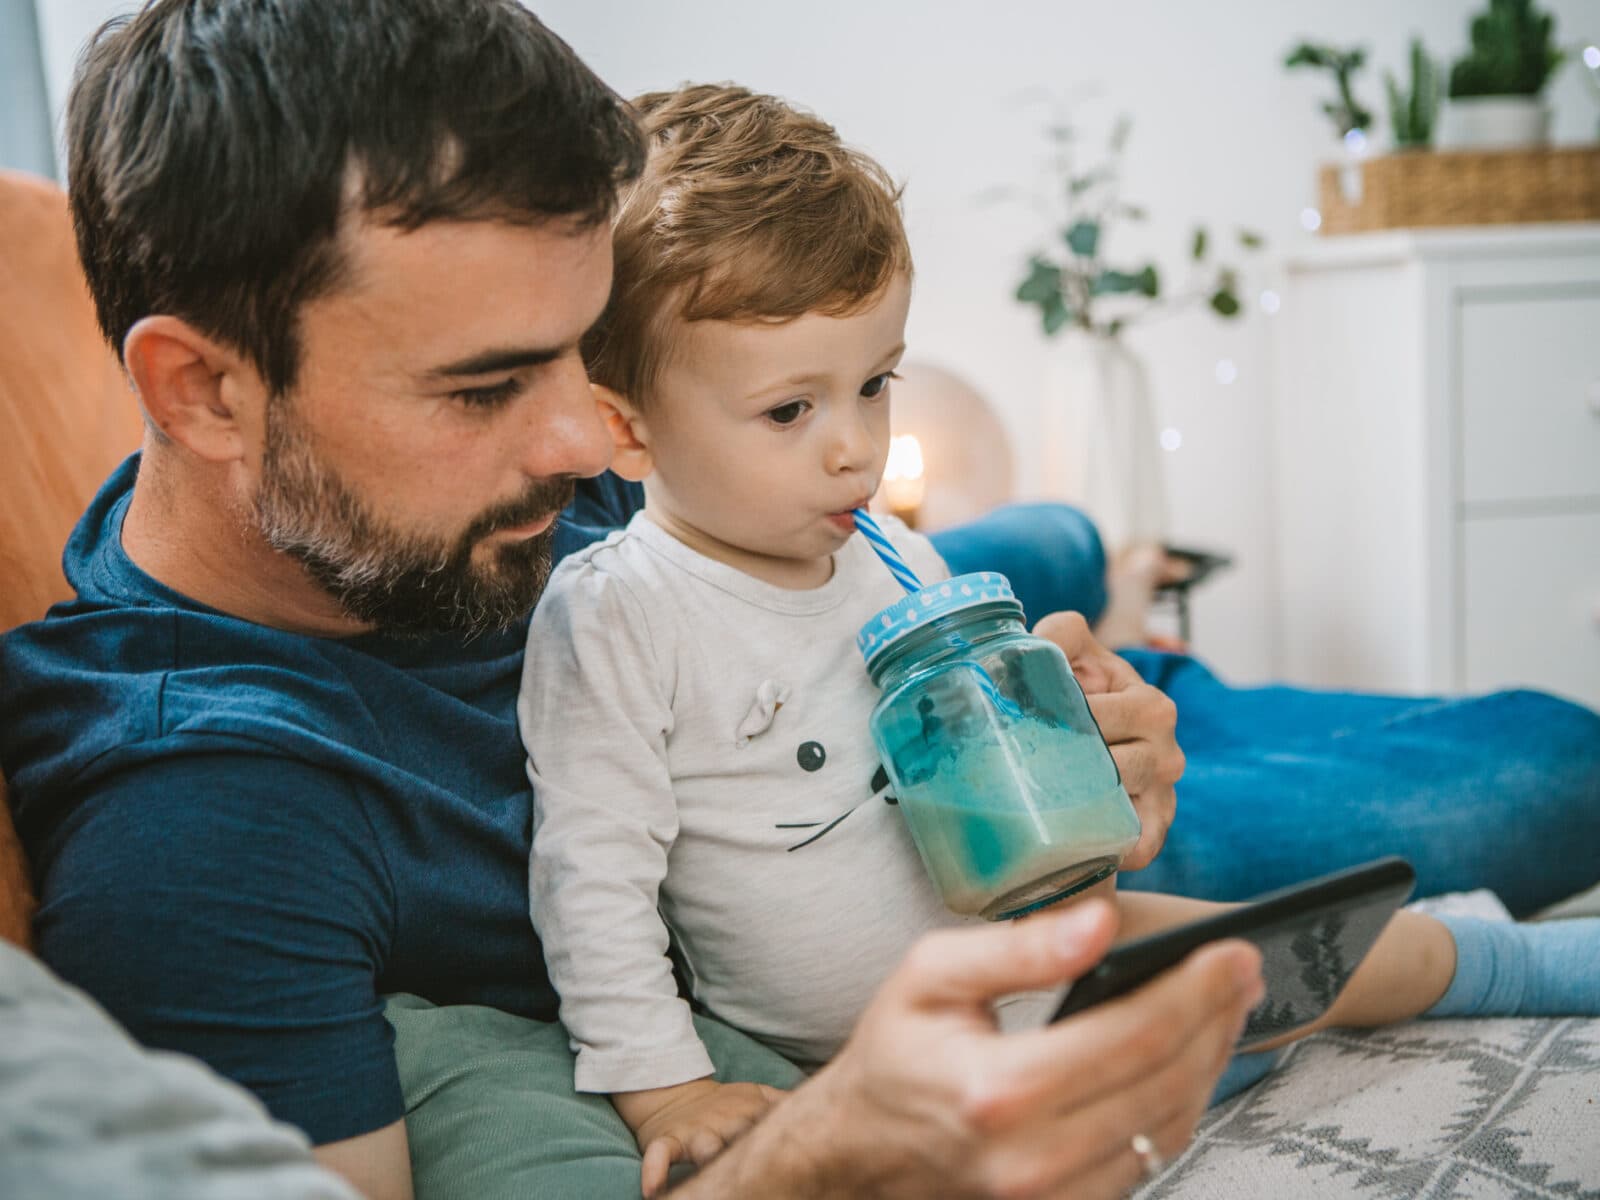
(1051, 553)
(1499, 791)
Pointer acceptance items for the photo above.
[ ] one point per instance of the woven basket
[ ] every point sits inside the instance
(1494, 187)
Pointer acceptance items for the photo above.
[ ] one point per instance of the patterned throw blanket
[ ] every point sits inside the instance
(1446, 1110)
(1431, 1110)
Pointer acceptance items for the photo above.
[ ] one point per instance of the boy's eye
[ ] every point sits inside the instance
(492, 396)
(875, 385)
(788, 414)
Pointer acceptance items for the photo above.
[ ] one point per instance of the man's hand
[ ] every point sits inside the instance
(1138, 723)
(927, 1098)
(690, 1122)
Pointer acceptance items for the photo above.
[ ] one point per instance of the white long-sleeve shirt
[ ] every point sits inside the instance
(688, 727)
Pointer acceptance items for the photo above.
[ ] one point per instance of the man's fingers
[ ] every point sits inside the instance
(1096, 668)
(659, 1156)
(969, 968)
(1141, 714)
(1164, 1106)
(1192, 1009)
(1156, 808)
(1124, 1170)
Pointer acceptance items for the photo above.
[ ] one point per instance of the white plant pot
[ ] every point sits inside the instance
(1099, 444)
(1493, 122)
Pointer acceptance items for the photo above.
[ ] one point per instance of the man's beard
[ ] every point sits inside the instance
(400, 583)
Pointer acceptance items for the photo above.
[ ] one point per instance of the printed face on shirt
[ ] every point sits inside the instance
(440, 415)
(764, 435)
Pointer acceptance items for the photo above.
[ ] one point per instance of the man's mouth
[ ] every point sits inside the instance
(531, 529)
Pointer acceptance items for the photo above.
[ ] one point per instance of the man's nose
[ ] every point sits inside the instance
(564, 433)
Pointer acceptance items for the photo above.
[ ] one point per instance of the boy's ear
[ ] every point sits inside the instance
(195, 390)
(631, 458)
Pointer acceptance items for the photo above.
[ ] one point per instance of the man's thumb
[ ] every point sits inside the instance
(976, 966)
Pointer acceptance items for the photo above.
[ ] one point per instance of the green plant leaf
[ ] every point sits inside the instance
(1080, 184)
(1055, 314)
(1251, 240)
(1083, 238)
(1043, 283)
(1120, 132)
(1149, 283)
(1133, 212)
(1198, 250)
(1307, 54)
(1225, 303)
(1112, 283)
(1116, 326)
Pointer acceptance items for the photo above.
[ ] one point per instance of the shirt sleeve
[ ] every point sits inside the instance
(234, 906)
(595, 718)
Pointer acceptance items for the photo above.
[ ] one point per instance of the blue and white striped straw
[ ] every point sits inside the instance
(886, 551)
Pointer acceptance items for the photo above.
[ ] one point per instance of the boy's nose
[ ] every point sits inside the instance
(852, 448)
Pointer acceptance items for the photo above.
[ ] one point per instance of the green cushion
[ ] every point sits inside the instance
(491, 1113)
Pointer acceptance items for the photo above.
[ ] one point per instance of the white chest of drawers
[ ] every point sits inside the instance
(1437, 427)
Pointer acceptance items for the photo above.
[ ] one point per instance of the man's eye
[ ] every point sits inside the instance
(788, 414)
(487, 397)
(876, 385)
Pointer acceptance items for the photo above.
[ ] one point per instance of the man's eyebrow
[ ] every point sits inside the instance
(506, 358)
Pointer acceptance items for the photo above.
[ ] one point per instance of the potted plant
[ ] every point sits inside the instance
(1412, 113)
(1495, 89)
(1097, 429)
(1349, 116)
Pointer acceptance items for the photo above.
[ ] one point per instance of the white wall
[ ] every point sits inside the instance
(1221, 135)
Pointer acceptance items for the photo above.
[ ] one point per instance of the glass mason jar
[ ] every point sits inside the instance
(999, 767)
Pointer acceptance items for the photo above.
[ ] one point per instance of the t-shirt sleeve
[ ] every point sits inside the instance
(235, 907)
(595, 720)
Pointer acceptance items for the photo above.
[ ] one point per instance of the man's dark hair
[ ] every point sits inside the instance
(213, 146)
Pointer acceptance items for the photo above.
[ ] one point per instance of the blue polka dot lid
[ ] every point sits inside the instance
(929, 604)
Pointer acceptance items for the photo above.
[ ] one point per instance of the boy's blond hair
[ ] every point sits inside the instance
(747, 210)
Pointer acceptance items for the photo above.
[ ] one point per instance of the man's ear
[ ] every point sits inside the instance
(631, 457)
(195, 390)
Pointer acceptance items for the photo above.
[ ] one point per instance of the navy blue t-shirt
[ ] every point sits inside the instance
(243, 837)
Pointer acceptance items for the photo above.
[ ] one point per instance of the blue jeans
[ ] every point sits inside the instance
(1499, 791)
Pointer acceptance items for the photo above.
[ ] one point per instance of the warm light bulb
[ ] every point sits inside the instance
(1271, 302)
(1310, 219)
(1591, 57)
(904, 481)
(1227, 372)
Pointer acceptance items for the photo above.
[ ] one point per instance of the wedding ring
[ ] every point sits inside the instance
(1150, 1160)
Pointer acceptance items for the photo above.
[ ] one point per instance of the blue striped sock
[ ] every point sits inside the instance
(1547, 969)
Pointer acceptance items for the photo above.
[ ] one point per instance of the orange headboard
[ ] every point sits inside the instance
(67, 416)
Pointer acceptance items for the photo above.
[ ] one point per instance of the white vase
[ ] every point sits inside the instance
(1099, 443)
(1493, 122)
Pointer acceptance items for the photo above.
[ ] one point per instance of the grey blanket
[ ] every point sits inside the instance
(86, 1114)
(1442, 1110)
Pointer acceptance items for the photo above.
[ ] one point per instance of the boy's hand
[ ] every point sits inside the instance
(1138, 722)
(691, 1122)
